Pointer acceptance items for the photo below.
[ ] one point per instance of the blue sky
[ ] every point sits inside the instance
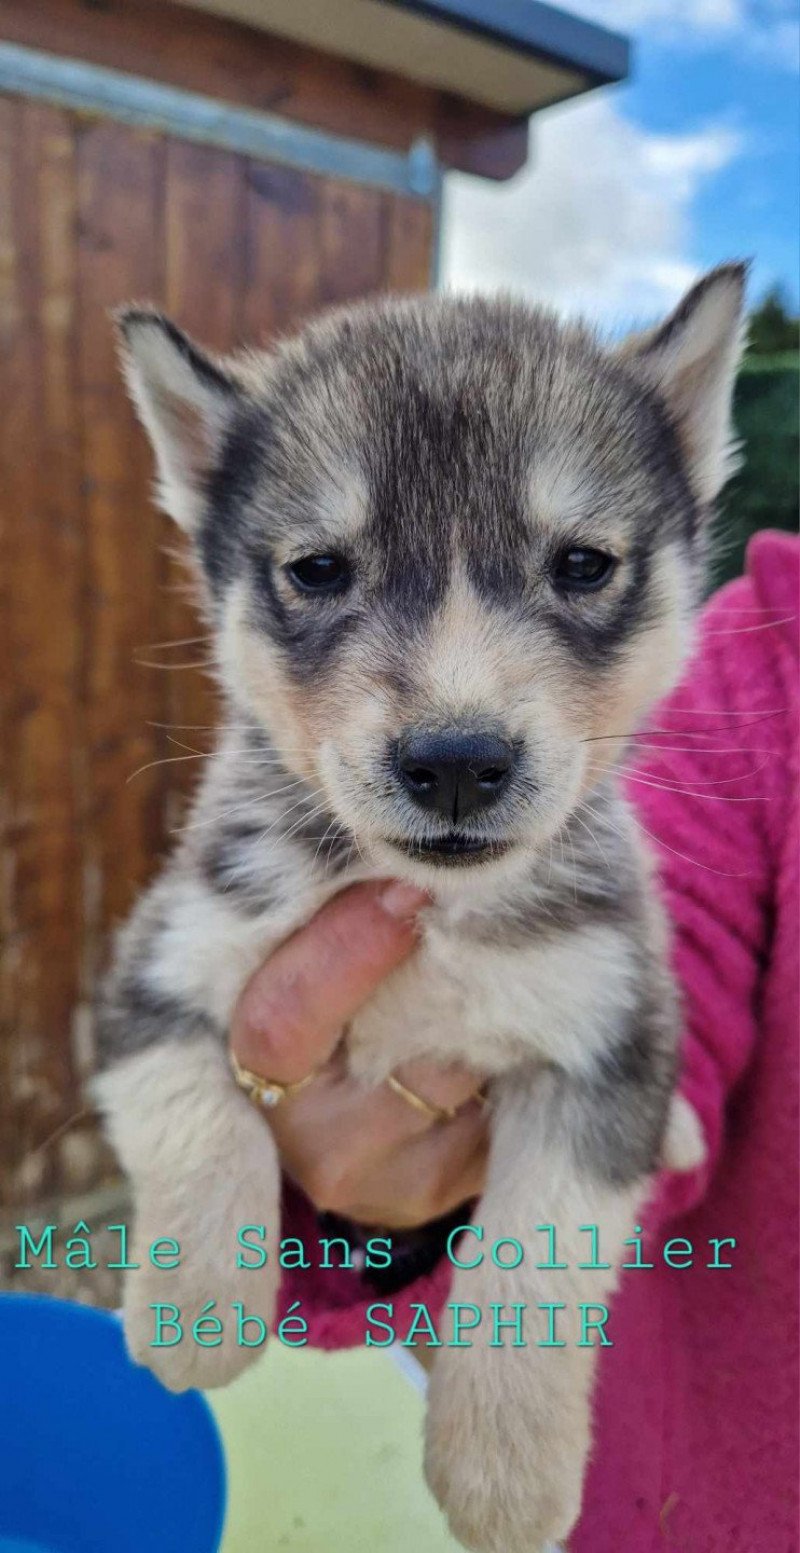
(634, 190)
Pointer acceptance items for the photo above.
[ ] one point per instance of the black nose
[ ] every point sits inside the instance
(455, 774)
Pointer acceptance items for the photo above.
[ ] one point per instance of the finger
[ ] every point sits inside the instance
(343, 1145)
(291, 1013)
(426, 1185)
(410, 1214)
(335, 1131)
(357, 1129)
(328, 1138)
(443, 1088)
(459, 1173)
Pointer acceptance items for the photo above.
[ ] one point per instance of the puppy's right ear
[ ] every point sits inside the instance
(185, 401)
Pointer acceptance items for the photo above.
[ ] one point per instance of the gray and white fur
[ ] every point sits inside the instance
(511, 518)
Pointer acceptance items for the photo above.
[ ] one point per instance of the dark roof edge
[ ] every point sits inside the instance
(532, 27)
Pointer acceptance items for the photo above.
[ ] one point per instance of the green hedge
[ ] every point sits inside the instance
(764, 493)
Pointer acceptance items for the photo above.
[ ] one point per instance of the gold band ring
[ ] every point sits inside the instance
(267, 1092)
(436, 1113)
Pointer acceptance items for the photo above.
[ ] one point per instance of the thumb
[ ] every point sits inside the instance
(289, 1018)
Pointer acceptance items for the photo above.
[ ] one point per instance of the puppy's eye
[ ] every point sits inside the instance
(581, 570)
(319, 574)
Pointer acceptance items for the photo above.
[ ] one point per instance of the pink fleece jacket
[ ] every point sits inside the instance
(697, 1402)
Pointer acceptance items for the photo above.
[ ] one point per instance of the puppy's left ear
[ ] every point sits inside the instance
(185, 400)
(691, 361)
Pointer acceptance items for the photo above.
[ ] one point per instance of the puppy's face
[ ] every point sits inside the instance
(452, 549)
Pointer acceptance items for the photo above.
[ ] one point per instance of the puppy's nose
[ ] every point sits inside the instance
(455, 774)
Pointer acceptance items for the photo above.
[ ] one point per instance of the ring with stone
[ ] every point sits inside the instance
(266, 1092)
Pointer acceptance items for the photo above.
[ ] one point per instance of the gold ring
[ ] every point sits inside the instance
(437, 1113)
(268, 1092)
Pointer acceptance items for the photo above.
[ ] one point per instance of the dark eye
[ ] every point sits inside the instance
(580, 570)
(319, 573)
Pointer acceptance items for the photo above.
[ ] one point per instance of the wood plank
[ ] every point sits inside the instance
(352, 238)
(11, 314)
(281, 277)
(245, 65)
(120, 256)
(408, 244)
(41, 619)
(205, 202)
(204, 262)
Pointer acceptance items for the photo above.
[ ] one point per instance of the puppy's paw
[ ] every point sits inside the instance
(491, 1508)
(507, 1483)
(180, 1322)
(208, 1184)
(193, 1353)
(684, 1146)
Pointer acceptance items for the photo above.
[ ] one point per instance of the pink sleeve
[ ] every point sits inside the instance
(707, 791)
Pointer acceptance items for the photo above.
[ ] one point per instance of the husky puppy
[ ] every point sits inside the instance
(451, 550)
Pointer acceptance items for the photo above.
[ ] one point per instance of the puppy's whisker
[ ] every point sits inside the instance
(646, 735)
(574, 867)
(764, 625)
(206, 727)
(721, 873)
(283, 815)
(684, 856)
(173, 668)
(689, 792)
(329, 827)
(165, 760)
(248, 803)
(305, 819)
(702, 749)
(180, 641)
(715, 711)
(245, 756)
(336, 831)
(53, 1137)
(586, 810)
(635, 771)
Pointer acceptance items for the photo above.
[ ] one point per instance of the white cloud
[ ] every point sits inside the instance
(766, 27)
(673, 15)
(599, 222)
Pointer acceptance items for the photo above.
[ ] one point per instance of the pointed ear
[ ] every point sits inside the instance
(691, 361)
(184, 400)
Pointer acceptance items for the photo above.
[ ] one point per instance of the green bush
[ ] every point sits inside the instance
(764, 493)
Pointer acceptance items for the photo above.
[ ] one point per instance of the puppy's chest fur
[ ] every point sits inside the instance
(499, 991)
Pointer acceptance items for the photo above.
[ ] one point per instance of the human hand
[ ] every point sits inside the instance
(368, 1155)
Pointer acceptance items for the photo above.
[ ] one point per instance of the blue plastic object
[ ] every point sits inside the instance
(95, 1455)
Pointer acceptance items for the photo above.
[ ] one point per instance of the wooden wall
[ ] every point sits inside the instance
(224, 59)
(93, 213)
